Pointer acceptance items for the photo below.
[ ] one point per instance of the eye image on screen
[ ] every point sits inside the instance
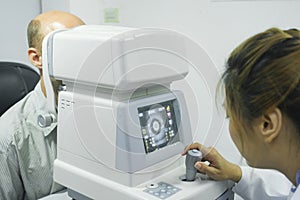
(158, 125)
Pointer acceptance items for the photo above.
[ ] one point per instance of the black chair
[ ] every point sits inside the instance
(16, 80)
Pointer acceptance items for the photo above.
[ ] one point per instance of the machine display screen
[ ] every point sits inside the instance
(158, 125)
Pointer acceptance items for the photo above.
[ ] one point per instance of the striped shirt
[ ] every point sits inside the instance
(27, 151)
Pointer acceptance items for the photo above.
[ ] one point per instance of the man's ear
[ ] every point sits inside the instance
(35, 57)
(271, 124)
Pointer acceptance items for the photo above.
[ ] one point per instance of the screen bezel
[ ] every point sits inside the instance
(168, 135)
(130, 152)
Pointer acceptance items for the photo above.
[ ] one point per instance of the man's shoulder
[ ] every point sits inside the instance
(17, 111)
(13, 120)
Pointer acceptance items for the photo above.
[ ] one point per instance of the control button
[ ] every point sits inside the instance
(195, 151)
(161, 190)
(45, 120)
(152, 186)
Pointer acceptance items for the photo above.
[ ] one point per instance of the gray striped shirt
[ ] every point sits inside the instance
(27, 151)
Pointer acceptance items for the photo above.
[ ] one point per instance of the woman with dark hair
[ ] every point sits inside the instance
(262, 87)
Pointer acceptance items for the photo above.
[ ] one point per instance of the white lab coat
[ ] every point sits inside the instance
(261, 184)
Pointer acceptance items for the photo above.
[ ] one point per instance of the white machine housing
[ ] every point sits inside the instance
(121, 127)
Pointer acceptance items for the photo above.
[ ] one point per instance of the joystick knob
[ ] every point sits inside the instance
(192, 157)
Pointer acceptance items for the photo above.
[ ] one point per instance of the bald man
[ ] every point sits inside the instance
(27, 151)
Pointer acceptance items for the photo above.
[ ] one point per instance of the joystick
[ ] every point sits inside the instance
(192, 157)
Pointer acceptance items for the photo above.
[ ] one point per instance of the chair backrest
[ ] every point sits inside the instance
(16, 80)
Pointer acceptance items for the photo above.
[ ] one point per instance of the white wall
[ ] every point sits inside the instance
(218, 26)
(14, 17)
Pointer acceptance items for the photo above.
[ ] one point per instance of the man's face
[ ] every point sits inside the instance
(55, 20)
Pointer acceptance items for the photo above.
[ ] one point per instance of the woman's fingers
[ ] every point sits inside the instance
(219, 168)
(192, 146)
(206, 169)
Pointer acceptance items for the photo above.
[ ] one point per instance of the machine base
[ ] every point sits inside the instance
(86, 186)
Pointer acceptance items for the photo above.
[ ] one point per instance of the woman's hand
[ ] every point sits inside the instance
(219, 168)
